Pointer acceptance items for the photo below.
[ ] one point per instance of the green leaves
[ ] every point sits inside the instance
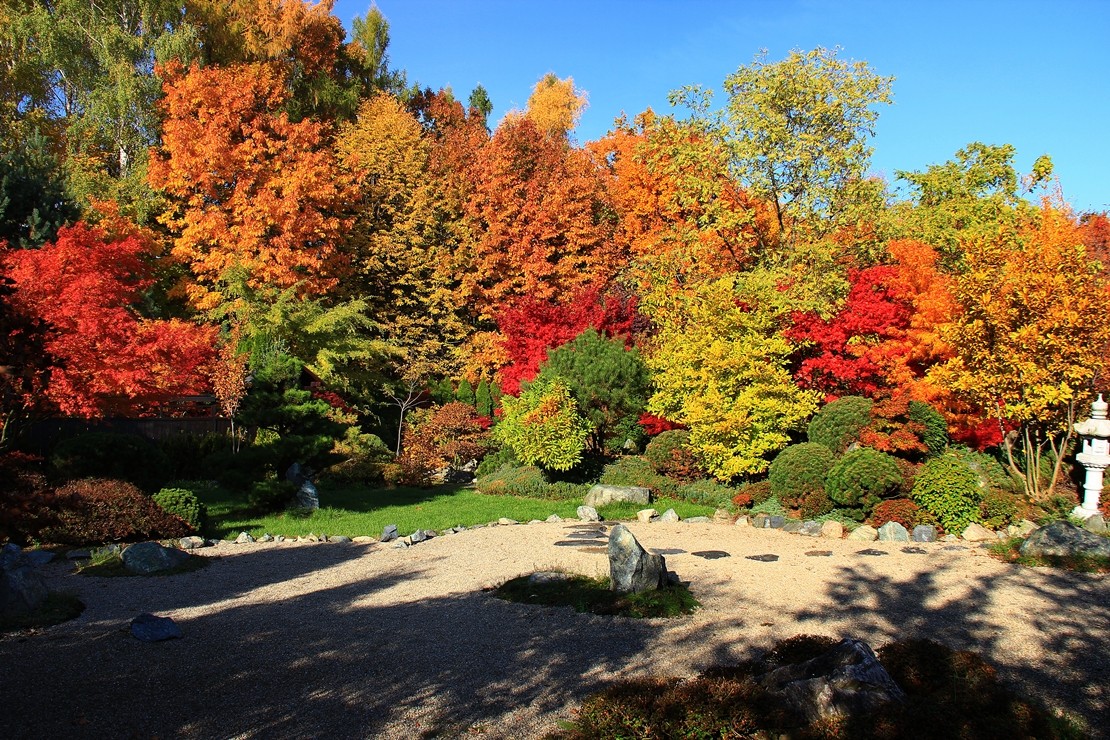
(543, 425)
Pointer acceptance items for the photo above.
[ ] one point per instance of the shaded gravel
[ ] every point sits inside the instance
(350, 640)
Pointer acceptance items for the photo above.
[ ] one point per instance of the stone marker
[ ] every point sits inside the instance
(893, 532)
(150, 628)
(150, 557)
(1064, 539)
(601, 495)
(588, 514)
(632, 569)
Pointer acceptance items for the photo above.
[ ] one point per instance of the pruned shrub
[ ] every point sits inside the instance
(363, 458)
(811, 505)
(637, 471)
(669, 453)
(988, 470)
(862, 478)
(707, 493)
(934, 427)
(182, 503)
(1000, 508)
(900, 510)
(492, 462)
(798, 475)
(949, 490)
(752, 494)
(526, 481)
(26, 501)
(271, 494)
(96, 510)
(111, 455)
(184, 452)
(838, 424)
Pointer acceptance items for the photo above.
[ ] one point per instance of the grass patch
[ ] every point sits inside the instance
(949, 694)
(108, 564)
(1009, 551)
(585, 594)
(626, 510)
(59, 607)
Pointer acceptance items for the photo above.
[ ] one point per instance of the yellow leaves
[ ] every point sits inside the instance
(555, 105)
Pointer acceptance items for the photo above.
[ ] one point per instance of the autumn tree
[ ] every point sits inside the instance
(83, 288)
(250, 189)
(1031, 336)
(555, 106)
(543, 426)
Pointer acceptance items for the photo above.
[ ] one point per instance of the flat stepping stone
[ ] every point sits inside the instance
(150, 628)
(953, 547)
(768, 558)
(819, 553)
(872, 551)
(570, 543)
(668, 551)
(712, 554)
(585, 535)
(915, 550)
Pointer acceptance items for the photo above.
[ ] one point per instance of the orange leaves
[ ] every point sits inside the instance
(253, 191)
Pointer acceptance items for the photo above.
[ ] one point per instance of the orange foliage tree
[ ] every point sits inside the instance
(250, 189)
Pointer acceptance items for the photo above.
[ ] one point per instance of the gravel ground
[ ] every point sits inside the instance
(349, 640)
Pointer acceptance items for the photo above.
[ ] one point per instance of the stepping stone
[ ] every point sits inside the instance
(585, 535)
(915, 550)
(819, 553)
(597, 549)
(585, 544)
(668, 551)
(711, 554)
(953, 547)
(150, 628)
(763, 558)
(872, 551)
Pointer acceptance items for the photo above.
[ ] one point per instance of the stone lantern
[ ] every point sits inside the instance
(1095, 456)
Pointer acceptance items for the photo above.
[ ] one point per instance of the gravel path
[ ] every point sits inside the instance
(297, 640)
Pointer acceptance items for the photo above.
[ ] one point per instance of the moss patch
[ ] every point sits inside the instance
(1009, 551)
(58, 607)
(585, 594)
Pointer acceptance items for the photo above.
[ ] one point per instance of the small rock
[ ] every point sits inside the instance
(389, 533)
(430, 533)
(1026, 527)
(872, 552)
(743, 521)
(759, 521)
(554, 519)
(78, 555)
(914, 550)
(150, 628)
(363, 539)
(244, 538)
(978, 533)
(535, 521)
(601, 495)
(192, 542)
(768, 558)
(311, 537)
(507, 522)
(266, 538)
(776, 522)
(548, 576)
(697, 520)
(924, 533)
(341, 539)
(279, 538)
(1095, 524)
(711, 554)
(818, 553)
(951, 538)
(417, 536)
(669, 516)
(400, 544)
(792, 526)
(810, 528)
(723, 516)
(646, 515)
(832, 530)
(953, 547)
(38, 558)
(588, 514)
(863, 533)
(150, 557)
(893, 532)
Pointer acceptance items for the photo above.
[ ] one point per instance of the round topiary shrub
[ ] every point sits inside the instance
(900, 510)
(669, 453)
(97, 510)
(949, 490)
(838, 424)
(112, 455)
(1000, 508)
(798, 473)
(182, 503)
(862, 478)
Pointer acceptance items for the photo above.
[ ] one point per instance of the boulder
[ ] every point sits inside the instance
(832, 530)
(389, 533)
(1062, 540)
(1094, 524)
(759, 521)
(307, 496)
(776, 522)
(646, 515)
(893, 532)
(38, 558)
(150, 628)
(863, 533)
(11, 555)
(600, 495)
(632, 569)
(846, 681)
(669, 516)
(924, 533)
(810, 528)
(588, 514)
(22, 589)
(978, 533)
(150, 557)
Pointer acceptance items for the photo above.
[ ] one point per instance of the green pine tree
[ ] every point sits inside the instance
(465, 392)
(483, 401)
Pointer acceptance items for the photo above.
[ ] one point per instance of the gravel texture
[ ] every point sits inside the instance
(350, 640)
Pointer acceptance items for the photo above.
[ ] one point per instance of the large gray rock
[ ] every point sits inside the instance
(1063, 539)
(893, 532)
(11, 555)
(389, 533)
(601, 495)
(633, 569)
(150, 557)
(846, 681)
(307, 496)
(22, 590)
(150, 628)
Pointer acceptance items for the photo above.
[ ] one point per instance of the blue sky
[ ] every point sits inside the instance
(1032, 74)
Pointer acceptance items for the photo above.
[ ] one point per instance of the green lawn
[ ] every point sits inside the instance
(366, 511)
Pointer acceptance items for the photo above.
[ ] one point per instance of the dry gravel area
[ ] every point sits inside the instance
(349, 640)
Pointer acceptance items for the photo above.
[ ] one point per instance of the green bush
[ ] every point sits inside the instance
(186, 451)
(862, 478)
(511, 480)
(111, 455)
(183, 504)
(96, 510)
(838, 424)
(708, 493)
(492, 462)
(271, 494)
(364, 457)
(637, 471)
(27, 501)
(1000, 508)
(798, 473)
(949, 490)
(669, 454)
(900, 510)
(935, 434)
(988, 470)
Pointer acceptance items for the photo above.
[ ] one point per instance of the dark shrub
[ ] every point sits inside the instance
(862, 478)
(96, 510)
(753, 494)
(271, 494)
(126, 457)
(365, 457)
(707, 493)
(510, 480)
(492, 462)
(26, 501)
(669, 453)
(637, 471)
(798, 474)
(183, 504)
(813, 504)
(900, 510)
(1000, 508)
(935, 433)
(185, 452)
(838, 424)
(988, 470)
(949, 490)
